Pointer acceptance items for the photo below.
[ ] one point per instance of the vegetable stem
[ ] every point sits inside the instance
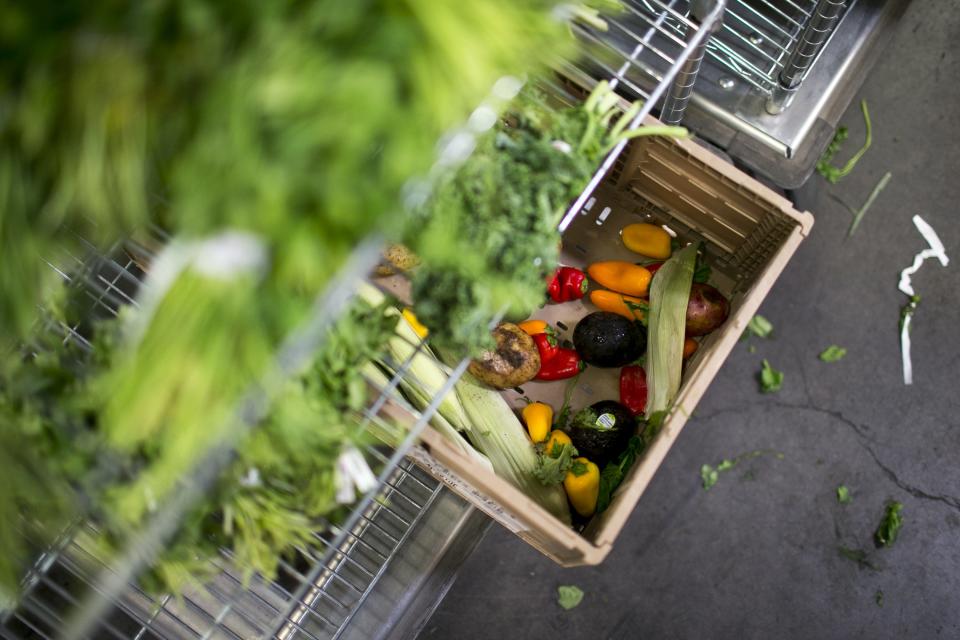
(858, 216)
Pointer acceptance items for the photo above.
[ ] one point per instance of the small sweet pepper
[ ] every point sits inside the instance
(565, 364)
(568, 283)
(633, 388)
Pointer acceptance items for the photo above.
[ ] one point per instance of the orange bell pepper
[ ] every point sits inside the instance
(626, 306)
(533, 327)
(623, 277)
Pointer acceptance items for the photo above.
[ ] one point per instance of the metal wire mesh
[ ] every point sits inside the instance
(757, 37)
(347, 565)
(641, 52)
(317, 590)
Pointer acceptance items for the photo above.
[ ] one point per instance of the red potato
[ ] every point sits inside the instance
(706, 311)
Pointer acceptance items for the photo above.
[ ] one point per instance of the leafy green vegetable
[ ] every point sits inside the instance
(563, 416)
(834, 174)
(709, 474)
(569, 596)
(552, 466)
(669, 295)
(843, 494)
(702, 270)
(889, 527)
(832, 353)
(759, 326)
(823, 165)
(487, 239)
(614, 472)
(859, 213)
(770, 379)
(652, 428)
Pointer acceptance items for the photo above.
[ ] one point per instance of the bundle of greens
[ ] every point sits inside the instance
(269, 502)
(285, 478)
(488, 238)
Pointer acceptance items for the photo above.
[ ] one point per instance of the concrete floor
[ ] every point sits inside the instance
(757, 555)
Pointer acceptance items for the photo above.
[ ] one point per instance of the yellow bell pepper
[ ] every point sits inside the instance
(582, 485)
(415, 324)
(538, 417)
(558, 438)
(647, 240)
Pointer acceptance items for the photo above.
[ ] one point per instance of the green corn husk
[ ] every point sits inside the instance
(669, 296)
(497, 432)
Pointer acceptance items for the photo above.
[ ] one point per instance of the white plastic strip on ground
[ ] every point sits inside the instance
(935, 250)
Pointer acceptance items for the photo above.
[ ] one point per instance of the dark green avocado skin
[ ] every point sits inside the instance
(602, 445)
(605, 339)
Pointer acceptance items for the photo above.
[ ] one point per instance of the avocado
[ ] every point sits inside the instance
(606, 339)
(601, 431)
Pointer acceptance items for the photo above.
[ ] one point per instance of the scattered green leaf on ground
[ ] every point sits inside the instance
(832, 149)
(843, 494)
(889, 526)
(878, 597)
(832, 353)
(758, 326)
(709, 474)
(859, 213)
(770, 379)
(834, 174)
(569, 596)
(752, 349)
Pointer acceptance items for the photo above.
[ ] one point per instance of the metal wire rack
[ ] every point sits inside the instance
(650, 52)
(756, 38)
(317, 591)
(228, 607)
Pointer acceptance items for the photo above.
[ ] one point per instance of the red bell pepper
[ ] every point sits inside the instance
(546, 345)
(652, 268)
(568, 283)
(565, 364)
(633, 388)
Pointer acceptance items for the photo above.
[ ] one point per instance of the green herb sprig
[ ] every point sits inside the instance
(889, 527)
(834, 174)
(832, 353)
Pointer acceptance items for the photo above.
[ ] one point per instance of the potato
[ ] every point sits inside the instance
(397, 259)
(514, 362)
(706, 310)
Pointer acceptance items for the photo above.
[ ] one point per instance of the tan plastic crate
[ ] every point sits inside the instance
(751, 233)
